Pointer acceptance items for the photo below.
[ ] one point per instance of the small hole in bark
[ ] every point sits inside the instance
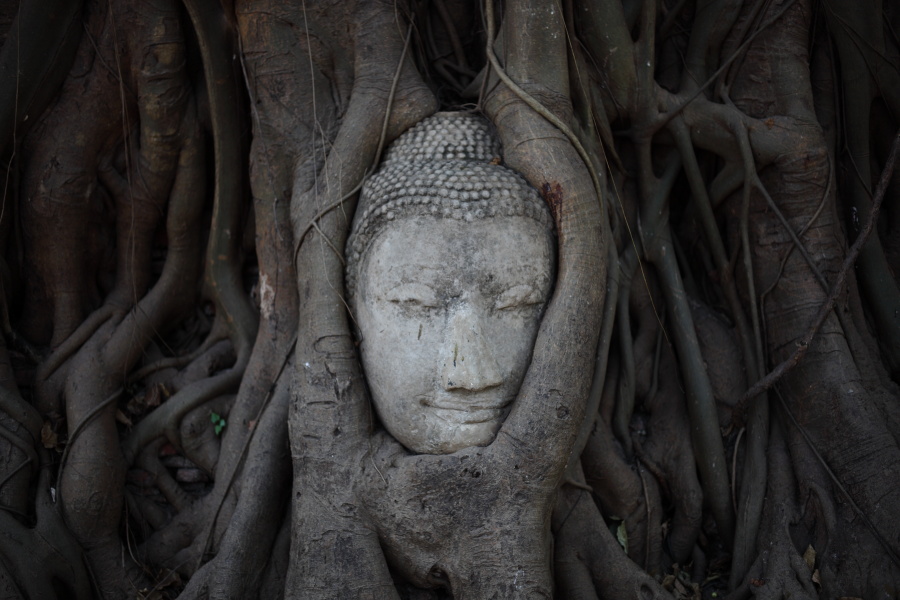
(562, 412)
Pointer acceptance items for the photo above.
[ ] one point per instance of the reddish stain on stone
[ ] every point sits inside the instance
(553, 196)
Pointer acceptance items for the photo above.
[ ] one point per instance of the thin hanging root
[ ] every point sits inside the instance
(800, 233)
(803, 344)
(313, 223)
(663, 119)
(13, 472)
(77, 431)
(24, 413)
(657, 357)
(240, 461)
(649, 525)
(338, 253)
(595, 128)
(751, 21)
(74, 342)
(895, 558)
(534, 104)
(626, 389)
(753, 180)
(734, 455)
(671, 16)
(26, 447)
(750, 350)
(787, 255)
(797, 243)
(458, 51)
(749, 174)
(701, 404)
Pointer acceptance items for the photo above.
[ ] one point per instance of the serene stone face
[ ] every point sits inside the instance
(448, 311)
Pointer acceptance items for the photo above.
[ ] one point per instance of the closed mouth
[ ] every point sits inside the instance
(475, 409)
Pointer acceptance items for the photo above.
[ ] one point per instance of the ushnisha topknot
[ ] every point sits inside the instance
(445, 167)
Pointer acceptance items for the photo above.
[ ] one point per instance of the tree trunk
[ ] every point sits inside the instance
(711, 406)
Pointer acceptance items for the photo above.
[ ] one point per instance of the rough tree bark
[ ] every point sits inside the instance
(712, 403)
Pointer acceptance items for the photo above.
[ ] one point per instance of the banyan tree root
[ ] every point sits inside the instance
(735, 174)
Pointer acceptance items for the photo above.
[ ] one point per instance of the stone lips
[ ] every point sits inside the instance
(443, 167)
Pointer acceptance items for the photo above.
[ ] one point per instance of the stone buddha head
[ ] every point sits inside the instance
(450, 263)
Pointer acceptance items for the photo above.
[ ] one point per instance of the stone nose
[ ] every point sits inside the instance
(469, 363)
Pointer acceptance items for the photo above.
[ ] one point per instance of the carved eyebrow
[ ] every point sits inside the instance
(523, 294)
(412, 293)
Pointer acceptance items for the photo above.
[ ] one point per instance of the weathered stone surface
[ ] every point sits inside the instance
(450, 264)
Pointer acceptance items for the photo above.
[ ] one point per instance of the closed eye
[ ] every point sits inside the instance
(413, 294)
(518, 296)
